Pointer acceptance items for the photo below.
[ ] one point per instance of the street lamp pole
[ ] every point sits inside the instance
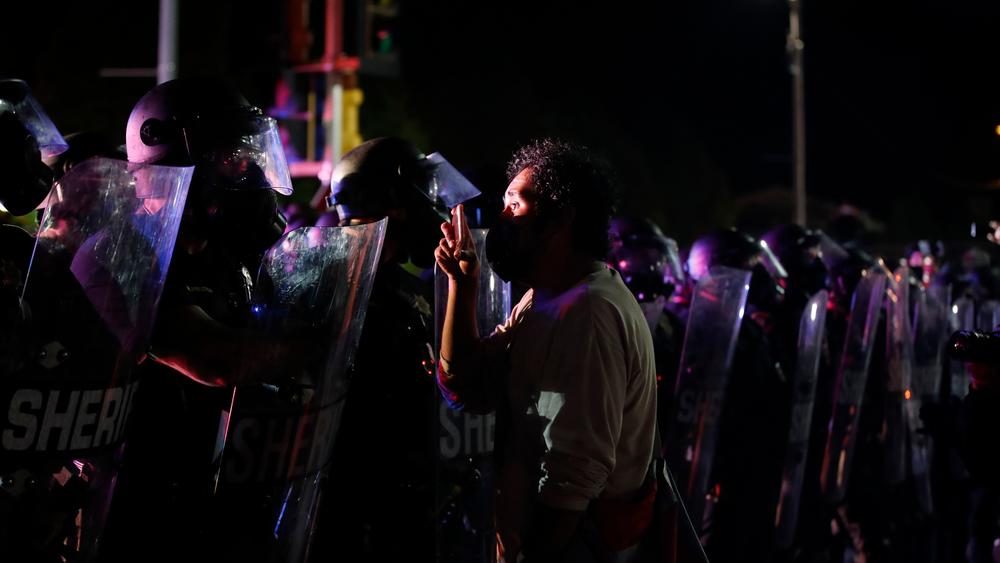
(795, 49)
(166, 52)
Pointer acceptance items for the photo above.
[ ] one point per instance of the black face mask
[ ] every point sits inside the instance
(248, 221)
(510, 246)
(765, 292)
(814, 277)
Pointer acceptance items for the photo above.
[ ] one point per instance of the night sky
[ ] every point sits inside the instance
(689, 101)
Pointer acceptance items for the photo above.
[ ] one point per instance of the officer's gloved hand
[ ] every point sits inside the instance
(286, 361)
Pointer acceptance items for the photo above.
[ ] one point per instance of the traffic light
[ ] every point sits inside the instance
(377, 40)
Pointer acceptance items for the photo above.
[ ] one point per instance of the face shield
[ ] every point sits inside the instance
(832, 253)
(771, 263)
(243, 152)
(444, 185)
(768, 280)
(650, 269)
(16, 98)
(674, 268)
(803, 259)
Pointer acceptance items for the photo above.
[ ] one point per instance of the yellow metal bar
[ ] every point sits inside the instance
(311, 125)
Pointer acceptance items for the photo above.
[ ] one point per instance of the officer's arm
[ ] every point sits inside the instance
(188, 340)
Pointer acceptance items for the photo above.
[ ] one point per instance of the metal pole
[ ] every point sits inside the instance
(335, 89)
(336, 120)
(166, 53)
(795, 53)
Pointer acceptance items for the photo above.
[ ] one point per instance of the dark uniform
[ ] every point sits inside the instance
(230, 219)
(649, 263)
(169, 466)
(379, 502)
(753, 426)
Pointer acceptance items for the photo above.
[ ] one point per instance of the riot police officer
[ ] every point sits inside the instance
(28, 182)
(649, 264)
(754, 419)
(27, 135)
(200, 342)
(801, 254)
(379, 501)
(806, 255)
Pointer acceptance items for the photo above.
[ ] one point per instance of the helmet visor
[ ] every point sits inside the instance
(15, 97)
(771, 262)
(253, 160)
(833, 253)
(674, 268)
(447, 186)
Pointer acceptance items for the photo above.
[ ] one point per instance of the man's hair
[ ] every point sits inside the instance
(567, 175)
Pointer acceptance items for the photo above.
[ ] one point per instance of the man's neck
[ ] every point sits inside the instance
(556, 272)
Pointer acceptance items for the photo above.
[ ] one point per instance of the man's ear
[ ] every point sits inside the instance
(558, 222)
(563, 218)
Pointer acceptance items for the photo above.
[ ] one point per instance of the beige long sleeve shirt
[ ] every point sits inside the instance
(574, 376)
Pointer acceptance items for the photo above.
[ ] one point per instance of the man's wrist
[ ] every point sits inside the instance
(550, 532)
(464, 286)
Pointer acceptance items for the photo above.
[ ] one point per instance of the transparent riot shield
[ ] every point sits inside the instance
(810, 346)
(988, 316)
(961, 316)
(931, 328)
(309, 306)
(930, 331)
(465, 477)
(849, 387)
(100, 258)
(717, 307)
(898, 393)
(16, 97)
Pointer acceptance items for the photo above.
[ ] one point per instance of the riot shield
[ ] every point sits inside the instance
(464, 473)
(849, 387)
(309, 304)
(931, 328)
(961, 316)
(988, 316)
(92, 289)
(899, 340)
(930, 331)
(717, 307)
(16, 97)
(810, 346)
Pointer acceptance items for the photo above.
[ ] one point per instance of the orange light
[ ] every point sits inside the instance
(997, 129)
(906, 394)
